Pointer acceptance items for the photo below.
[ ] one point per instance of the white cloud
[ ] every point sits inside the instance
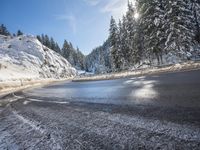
(116, 7)
(71, 20)
(92, 2)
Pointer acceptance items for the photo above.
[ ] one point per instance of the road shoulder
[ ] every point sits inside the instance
(182, 67)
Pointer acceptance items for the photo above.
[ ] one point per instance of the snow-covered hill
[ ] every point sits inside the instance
(24, 57)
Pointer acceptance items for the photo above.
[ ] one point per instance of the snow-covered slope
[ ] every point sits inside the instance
(24, 57)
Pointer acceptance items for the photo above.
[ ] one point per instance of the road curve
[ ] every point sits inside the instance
(144, 112)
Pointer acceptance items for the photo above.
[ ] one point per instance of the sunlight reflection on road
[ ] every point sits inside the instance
(146, 91)
(143, 91)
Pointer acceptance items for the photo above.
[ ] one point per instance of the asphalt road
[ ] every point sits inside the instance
(145, 112)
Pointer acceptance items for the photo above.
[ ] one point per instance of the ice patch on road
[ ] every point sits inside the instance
(44, 101)
(38, 100)
(26, 102)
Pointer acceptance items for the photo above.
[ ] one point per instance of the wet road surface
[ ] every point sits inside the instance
(144, 112)
(172, 89)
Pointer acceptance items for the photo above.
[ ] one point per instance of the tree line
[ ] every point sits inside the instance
(99, 60)
(163, 28)
(73, 55)
(4, 31)
(152, 32)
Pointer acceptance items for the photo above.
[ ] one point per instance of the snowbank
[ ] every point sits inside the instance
(153, 70)
(24, 58)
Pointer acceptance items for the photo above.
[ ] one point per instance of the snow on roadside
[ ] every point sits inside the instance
(24, 62)
(164, 69)
(32, 124)
(26, 130)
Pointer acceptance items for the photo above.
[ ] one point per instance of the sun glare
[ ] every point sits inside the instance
(136, 15)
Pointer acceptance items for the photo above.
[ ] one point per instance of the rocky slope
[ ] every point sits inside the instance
(25, 58)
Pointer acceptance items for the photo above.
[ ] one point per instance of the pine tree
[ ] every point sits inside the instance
(19, 33)
(123, 41)
(39, 38)
(52, 44)
(42, 39)
(151, 26)
(66, 50)
(72, 56)
(121, 46)
(130, 26)
(57, 48)
(139, 43)
(180, 28)
(3, 30)
(81, 59)
(47, 41)
(115, 50)
(70, 53)
(196, 18)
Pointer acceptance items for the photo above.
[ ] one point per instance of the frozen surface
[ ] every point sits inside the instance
(144, 90)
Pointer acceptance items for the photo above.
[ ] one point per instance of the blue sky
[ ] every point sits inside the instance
(85, 23)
